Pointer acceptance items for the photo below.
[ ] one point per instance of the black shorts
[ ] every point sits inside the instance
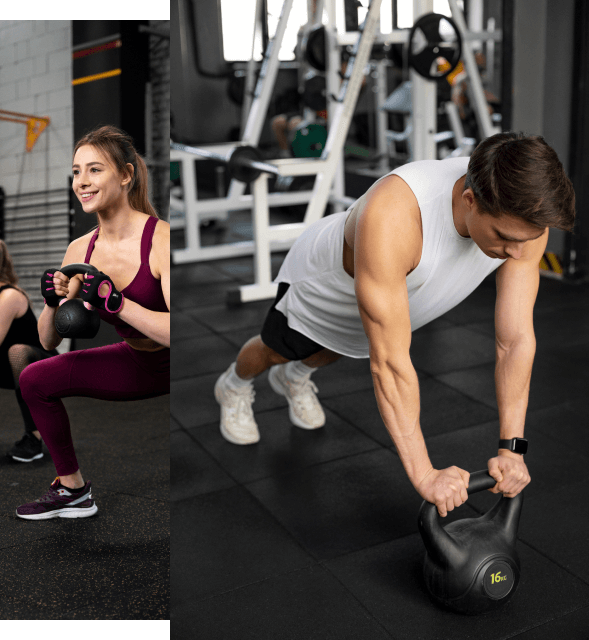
(277, 335)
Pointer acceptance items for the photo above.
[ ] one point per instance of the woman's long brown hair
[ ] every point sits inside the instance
(118, 146)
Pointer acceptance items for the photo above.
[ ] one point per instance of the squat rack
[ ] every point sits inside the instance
(328, 169)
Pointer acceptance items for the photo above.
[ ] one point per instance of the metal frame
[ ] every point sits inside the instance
(328, 169)
(252, 130)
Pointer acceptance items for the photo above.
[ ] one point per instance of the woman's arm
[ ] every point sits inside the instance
(154, 324)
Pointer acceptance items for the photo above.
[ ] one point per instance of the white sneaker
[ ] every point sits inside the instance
(304, 409)
(237, 418)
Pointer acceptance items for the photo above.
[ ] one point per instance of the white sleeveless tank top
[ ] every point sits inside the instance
(321, 302)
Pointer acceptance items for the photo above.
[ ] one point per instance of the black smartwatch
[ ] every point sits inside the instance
(517, 445)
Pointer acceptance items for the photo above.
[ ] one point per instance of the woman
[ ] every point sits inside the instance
(19, 347)
(131, 248)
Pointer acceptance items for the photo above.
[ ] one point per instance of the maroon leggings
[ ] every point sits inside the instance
(114, 372)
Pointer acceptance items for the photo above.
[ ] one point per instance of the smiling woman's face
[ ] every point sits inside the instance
(97, 184)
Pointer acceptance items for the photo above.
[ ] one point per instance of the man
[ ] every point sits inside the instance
(415, 245)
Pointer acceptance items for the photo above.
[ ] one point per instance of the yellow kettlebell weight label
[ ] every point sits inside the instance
(497, 577)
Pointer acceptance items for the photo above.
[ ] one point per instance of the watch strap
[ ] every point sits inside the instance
(517, 445)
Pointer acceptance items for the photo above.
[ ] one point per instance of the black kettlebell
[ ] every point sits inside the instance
(72, 319)
(471, 565)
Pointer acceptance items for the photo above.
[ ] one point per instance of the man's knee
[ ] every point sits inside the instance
(273, 357)
(278, 123)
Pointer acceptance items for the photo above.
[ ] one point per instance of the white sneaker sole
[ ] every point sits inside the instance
(230, 437)
(39, 455)
(281, 391)
(72, 512)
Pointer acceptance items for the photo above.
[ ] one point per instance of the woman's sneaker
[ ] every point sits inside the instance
(304, 408)
(60, 502)
(237, 417)
(27, 449)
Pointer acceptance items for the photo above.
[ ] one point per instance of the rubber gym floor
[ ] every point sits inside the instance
(313, 534)
(114, 565)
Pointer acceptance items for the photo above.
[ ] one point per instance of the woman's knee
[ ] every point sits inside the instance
(32, 379)
(18, 354)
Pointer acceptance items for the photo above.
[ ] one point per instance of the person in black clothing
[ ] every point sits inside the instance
(19, 347)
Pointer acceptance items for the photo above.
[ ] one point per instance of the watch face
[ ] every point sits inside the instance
(520, 445)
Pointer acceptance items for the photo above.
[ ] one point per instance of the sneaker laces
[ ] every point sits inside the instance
(303, 393)
(242, 400)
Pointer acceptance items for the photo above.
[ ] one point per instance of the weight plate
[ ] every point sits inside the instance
(314, 92)
(309, 141)
(434, 43)
(314, 48)
(238, 163)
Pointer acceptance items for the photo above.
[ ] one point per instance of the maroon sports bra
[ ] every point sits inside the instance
(145, 290)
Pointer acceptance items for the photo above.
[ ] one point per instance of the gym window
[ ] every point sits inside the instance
(405, 12)
(238, 33)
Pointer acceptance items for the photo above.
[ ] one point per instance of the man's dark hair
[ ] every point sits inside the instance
(519, 175)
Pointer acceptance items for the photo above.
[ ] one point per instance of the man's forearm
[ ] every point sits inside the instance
(397, 396)
(513, 372)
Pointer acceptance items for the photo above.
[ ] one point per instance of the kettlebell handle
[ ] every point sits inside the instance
(75, 268)
(480, 481)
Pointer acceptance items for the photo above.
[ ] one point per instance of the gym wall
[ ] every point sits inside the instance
(36, 64)
(543, 57)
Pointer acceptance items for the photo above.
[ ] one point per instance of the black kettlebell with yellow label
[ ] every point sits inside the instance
(471, 566)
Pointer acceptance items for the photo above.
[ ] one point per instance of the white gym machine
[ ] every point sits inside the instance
(328, 169)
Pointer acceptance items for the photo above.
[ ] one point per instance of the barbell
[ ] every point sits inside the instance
(244, 163)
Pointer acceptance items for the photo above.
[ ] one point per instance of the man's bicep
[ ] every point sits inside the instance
(385, 244)
(384, 310)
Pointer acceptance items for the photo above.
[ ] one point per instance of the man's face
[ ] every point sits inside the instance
(503, 237)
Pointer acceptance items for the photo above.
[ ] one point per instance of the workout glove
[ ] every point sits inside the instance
(48, 289)
(111, 301)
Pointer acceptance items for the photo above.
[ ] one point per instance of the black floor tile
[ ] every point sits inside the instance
(388, 581)
(451, 349)
(572, 328)
(306, 604)
(556, 522)
(186, 275)
(193, 401)
(573, 626)
(442, 409)
(557, 377)
(225, 540)
(220, 318)
(193, 471)
(283, 448)
(174, 425)
(183, 326)
(557, 294)
(478, 307)
(205, 294)
(565, 424)
(197, 356)
(343, 506)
